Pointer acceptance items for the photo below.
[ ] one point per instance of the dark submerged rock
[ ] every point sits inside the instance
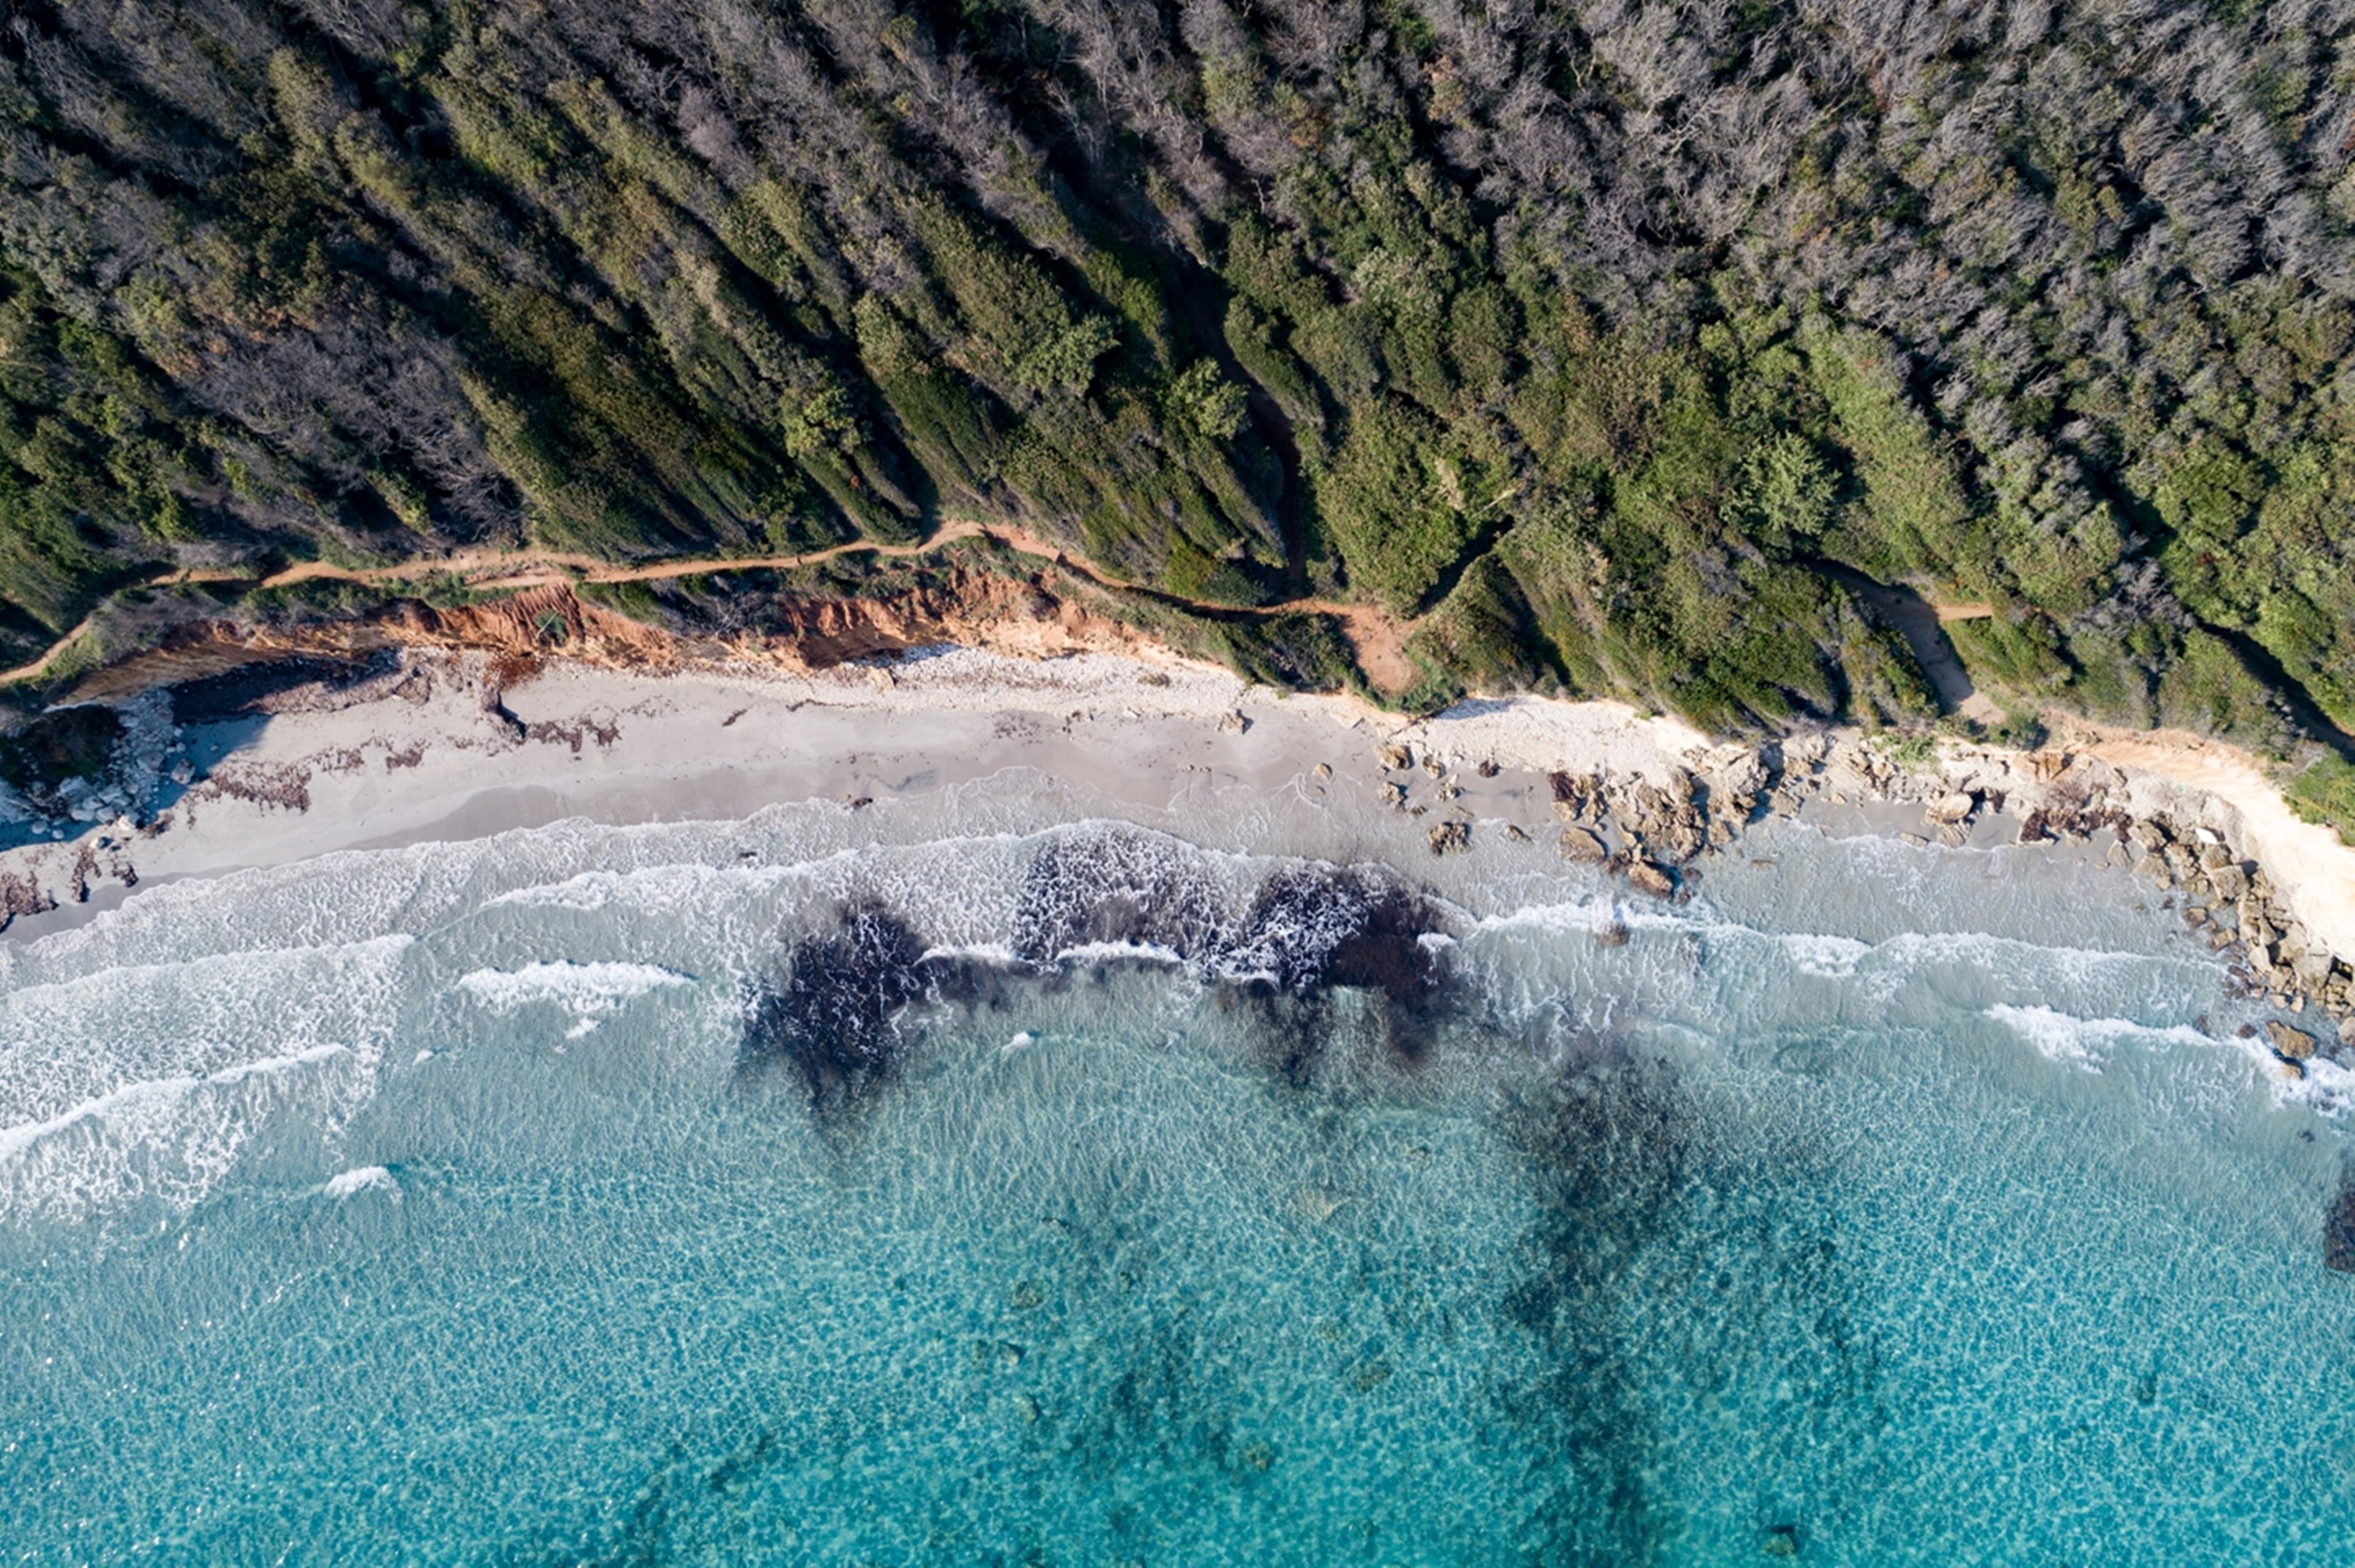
(1315, 928)
(2339, 1227)
(1118, 885)
(1321, 925)
(835, 1020)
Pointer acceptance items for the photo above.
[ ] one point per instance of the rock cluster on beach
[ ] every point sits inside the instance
(1649, 826)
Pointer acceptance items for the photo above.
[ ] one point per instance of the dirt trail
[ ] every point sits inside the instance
(1378, 638)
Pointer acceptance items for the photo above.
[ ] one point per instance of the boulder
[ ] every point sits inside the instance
(1954, 809)
(1398, 757)
(1450, 838)
(1395, 795)
(1644, 877)
(1233, 721)
(1579, 845)
(2289, 1044)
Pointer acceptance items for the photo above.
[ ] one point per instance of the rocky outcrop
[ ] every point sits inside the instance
(1651, 828)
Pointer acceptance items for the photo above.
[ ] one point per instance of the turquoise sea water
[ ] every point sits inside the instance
(990, 1185)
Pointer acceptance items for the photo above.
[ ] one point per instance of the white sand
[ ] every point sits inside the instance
(430, 762)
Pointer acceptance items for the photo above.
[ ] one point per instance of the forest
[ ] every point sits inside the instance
(1620, 347)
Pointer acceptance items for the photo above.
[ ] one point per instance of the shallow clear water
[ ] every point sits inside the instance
(1878, 1206)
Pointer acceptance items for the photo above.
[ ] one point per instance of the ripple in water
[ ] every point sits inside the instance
(1127, 1202)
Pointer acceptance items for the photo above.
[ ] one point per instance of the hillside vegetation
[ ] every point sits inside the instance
(1615, 341)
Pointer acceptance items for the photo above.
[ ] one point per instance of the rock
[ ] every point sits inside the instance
(1613, 934)
(1450, 838)
(1916, 840)
(1955, 807)
(2347, 1031)
(1487, 769)
(2231, 882)
(1517, 833)
(2289, 1044)
(1576, 790)
(1644, 877)
(2195, 915)
(1398, 757)
(1324, 769)
(2313, 970)
(2339, 1226)
(1395, 795)
(2293, 1070)
(1233, 722)
(2046, 767)
(2155, 868)
(1581, 846)
(1433, 766)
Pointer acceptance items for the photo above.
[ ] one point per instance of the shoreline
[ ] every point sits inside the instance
(437, 745)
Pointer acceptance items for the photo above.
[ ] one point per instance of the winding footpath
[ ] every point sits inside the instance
(1378, 638)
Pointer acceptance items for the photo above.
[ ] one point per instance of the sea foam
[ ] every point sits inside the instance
(588, 991)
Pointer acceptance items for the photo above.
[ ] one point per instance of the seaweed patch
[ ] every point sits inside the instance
(838, 1020)
(1116, 888)
(1671, 1258)
(1314, 928)
(1608, 1144)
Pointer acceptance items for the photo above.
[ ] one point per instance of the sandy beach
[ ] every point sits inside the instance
(439, 745)
(455, 746)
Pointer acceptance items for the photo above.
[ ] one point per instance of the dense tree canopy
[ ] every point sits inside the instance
(1616, 340)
